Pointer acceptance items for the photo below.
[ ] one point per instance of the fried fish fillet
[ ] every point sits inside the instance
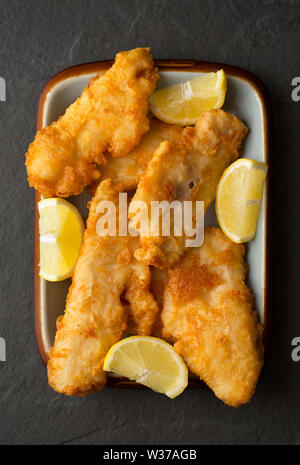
(187, 169)
(209, 312)
(95, 318)
(126, 171)
(110, 116)
(159, 279)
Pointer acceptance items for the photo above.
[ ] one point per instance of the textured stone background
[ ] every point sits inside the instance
(38, 39)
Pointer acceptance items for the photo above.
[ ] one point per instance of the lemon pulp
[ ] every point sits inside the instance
(238, 199)
(149, 361)
(61, 231)
(183, 103)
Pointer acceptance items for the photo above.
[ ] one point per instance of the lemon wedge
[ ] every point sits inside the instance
(149, 361)
(238, 199)
(61, 232)
(183, 103)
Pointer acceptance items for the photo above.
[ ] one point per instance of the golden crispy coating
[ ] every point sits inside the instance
(126, 171)
(187, 169)
(95, 318)
(157, 287)
(208, 311)
(110, 116)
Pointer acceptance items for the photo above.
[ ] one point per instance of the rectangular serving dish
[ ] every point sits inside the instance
(246, 98)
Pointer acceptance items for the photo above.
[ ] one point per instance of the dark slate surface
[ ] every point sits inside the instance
(38, 39)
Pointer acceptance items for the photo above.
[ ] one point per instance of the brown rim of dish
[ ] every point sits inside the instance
(165, 65)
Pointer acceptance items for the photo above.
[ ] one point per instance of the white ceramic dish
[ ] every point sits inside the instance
(245, 98)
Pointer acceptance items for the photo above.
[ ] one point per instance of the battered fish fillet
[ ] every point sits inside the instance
(208, 310)
(157, 289)
(95, 318)
(126, 171)
(110, 116)
(159, 279)
(187, 169)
